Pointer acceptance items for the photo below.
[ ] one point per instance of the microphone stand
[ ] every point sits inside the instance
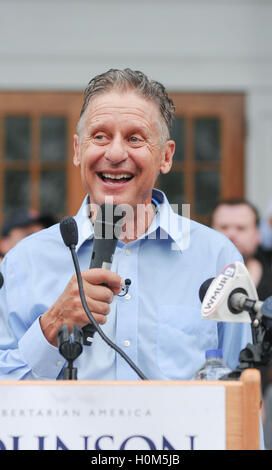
(258, 354)
(70, 349)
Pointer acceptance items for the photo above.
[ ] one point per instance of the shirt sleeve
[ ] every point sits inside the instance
(24, 351)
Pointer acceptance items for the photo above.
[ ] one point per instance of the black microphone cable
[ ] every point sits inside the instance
(69, 232)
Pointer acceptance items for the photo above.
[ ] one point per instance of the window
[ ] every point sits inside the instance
(36, 151)
(208, 162)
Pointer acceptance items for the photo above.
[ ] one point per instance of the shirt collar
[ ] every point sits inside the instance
(167, 223)
(85, 227)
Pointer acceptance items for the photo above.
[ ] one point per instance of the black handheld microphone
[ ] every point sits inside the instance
(107, 229)
(69, 232)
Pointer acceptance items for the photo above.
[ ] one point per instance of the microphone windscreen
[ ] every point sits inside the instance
(69, 231)
(204, 287)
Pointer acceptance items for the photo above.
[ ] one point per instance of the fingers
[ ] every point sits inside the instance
(103, 276)
(98, 296)
(99, 287)
(68, 307)
(77, 313)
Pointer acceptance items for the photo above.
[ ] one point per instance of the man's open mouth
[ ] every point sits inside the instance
(118, 178)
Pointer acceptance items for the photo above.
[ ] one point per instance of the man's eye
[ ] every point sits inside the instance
(100, 139)
(134, 139)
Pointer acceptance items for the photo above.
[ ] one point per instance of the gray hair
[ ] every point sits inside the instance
(128, 79)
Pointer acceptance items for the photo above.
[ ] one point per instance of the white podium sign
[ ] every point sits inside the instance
(111, 416)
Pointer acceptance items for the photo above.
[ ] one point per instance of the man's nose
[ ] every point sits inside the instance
(116, 151)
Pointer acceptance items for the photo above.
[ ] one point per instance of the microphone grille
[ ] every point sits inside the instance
(69, 231)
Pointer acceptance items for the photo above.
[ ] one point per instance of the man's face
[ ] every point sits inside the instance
(238, 223)
(120, 150)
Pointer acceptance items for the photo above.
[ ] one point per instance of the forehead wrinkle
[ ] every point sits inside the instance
(113, 112)
(111, 122)
(106, 99)
(150, 115)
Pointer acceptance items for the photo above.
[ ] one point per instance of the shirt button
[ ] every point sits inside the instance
(127, 251)
(127, 343)
(59, 363)
(127, 296)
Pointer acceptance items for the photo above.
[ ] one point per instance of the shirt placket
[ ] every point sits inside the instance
(127, 311)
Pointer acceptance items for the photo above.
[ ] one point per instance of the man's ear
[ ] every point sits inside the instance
(167, 158)
(76, 158)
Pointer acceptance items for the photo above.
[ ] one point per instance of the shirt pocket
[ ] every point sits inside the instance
(183, 337)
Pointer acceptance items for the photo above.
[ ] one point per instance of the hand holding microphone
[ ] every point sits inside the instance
(69, 234)
(100, 285)
(68, 309)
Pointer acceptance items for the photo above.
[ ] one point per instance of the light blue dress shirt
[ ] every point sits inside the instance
(158, 325)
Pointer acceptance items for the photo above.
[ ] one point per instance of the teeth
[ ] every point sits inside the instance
(116, 177)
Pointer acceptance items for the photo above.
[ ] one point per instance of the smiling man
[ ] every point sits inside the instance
(121, 145)
(120, 148)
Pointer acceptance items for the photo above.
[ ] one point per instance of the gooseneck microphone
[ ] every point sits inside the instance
(69, 232)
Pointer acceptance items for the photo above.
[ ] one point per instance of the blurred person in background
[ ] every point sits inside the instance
(20, 224)
(238, 220)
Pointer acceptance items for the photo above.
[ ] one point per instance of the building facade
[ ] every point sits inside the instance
(214, 57)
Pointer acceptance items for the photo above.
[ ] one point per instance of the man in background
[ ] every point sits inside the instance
(266, 228)
(20, 224)
(238, 220)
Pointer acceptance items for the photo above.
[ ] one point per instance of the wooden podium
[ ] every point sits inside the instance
(243, 404)
(23, 402)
